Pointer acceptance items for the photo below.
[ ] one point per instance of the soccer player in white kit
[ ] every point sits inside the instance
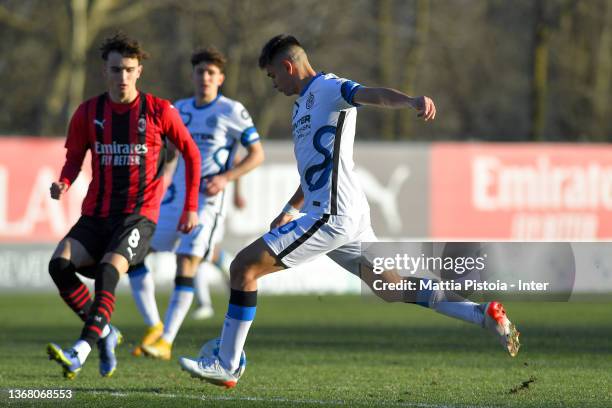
(336, 216)
(218, 125)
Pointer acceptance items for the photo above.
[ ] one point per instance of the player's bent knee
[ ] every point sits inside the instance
(59, 266)
(238, 269)
(253, 262)
(187, 265)
(62, 272)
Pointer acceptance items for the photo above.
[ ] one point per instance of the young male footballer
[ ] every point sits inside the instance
(125, 131)
(336, 216)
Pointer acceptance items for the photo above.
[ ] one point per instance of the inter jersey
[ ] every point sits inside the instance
(324, 119)
(217, 128)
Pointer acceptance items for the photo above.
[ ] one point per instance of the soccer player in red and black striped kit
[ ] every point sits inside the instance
(125, 131)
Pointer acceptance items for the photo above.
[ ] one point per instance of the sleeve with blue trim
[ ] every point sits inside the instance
(242, 127)
(249, 136)
(348, 89)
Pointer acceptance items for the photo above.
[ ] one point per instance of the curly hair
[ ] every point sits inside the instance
(124, 45)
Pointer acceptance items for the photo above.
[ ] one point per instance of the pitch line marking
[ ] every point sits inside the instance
(287, 400)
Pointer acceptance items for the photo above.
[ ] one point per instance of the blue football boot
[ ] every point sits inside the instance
(66, 358)
(106, 346)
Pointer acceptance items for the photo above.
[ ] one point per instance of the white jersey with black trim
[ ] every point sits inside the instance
(217, 128)
(324, 119)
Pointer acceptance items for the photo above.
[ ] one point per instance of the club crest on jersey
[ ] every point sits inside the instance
(310, 101)
(244, 114)
(211, 121)
(142, 125)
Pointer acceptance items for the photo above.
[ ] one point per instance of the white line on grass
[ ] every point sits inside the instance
(287, 400)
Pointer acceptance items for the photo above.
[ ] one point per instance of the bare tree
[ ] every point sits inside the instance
(388, 61)
(413, 62)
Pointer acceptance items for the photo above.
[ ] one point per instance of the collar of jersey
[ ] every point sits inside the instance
(310, 83)
(208, 105)
(121, 108)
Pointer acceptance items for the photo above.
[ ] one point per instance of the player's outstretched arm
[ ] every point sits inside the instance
(254, 157)
(391, 98)
(291, 210)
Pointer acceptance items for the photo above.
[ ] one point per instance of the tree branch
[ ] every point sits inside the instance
(17, 22)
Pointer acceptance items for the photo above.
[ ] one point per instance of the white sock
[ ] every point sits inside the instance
(466, 311)
(143, 292)
(82, 348)
(105, 331)
(202, 291)
(179, 305)
(233, 337)
(236, 327)
(459, 309)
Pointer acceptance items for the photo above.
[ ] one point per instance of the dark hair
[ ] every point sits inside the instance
(210, 55)
(124, 45)
(275, 46)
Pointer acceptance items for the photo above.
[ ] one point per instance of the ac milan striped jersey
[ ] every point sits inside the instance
(128, 145)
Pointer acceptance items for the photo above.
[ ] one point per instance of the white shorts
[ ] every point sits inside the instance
(337, 236)
(202, 239)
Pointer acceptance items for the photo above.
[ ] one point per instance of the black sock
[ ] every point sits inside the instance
(71, 288)
(107, 278)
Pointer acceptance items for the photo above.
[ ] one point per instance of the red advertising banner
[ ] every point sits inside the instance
(28, 166)
(521, 191)
(478, 191)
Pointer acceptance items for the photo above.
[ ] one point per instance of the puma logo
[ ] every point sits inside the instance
(385, 196)
(99, 123)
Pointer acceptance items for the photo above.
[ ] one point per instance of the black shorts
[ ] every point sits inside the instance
(127, 235)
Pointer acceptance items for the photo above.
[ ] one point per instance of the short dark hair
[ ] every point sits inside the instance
(275, 46)
(124, 45)
(210, 55)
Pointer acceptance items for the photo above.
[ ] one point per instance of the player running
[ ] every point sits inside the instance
(126, 131)
(218, 126)
(336, 213)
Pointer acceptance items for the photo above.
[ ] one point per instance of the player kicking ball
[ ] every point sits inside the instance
(336, 216)
(125, 131)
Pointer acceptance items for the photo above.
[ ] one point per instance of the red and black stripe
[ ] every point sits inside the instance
(78, 299)
(100, 316)
(142, 139)
(100, 119)
(103, 305)
(120, 128)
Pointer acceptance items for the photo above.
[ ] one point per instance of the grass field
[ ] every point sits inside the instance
(310, 351)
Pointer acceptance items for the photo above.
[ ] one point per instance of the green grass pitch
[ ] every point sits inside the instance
(311, 351)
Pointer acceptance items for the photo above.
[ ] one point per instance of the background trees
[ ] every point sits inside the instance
(521, 70)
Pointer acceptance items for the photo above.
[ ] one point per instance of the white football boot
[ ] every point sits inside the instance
(209, 369)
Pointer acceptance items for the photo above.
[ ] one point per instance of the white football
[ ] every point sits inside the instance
(211, 349)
